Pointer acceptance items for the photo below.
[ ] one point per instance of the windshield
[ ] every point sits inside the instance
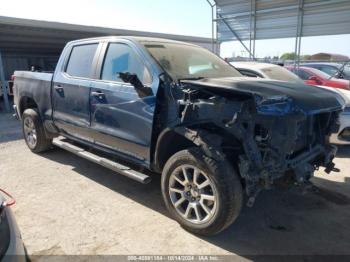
(183, 61)
(282, 74)
(346, 70)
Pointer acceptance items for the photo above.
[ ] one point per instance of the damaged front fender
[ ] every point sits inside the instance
(275, 135)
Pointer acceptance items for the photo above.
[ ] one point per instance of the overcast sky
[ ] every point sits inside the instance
(186, 17)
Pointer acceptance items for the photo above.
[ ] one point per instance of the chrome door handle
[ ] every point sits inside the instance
(98, 94)
(58, 88)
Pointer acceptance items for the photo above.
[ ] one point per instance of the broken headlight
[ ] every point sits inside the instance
(274, 105)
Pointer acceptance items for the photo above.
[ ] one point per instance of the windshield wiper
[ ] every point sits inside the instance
(191, 78)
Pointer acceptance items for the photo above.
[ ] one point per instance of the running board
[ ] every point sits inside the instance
(124, 170)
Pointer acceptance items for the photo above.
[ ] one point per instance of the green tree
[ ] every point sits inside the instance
(292, 56)
(288, 56)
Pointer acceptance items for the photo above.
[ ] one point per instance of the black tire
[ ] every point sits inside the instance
(42, 142)
(223, 177)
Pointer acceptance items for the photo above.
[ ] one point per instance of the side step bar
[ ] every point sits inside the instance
(124, 170)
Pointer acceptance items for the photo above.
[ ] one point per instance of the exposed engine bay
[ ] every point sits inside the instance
(266, 138)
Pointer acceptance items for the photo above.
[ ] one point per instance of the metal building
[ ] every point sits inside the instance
(250, 20)
(25, 42)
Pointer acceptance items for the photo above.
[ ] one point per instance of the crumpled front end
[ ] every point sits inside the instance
(292, 145)
(266, 139)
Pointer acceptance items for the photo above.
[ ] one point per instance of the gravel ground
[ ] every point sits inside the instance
(67, 205)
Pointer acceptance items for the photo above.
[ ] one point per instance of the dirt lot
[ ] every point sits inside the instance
(67, 205)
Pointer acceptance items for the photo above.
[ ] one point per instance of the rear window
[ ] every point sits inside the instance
(80, 60)
(280, 73)
(302, 74)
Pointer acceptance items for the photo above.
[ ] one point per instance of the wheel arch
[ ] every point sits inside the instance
(25, 103)
(163, 151)
(172, 140)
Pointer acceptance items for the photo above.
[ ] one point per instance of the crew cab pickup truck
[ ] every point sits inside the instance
(136, 105)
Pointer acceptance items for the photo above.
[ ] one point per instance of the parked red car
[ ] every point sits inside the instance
(312, 76)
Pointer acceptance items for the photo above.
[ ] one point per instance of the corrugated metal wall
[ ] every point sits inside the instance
(13, 62)
(278, 18)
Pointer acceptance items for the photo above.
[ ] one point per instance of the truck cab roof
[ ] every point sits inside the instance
(137, 39)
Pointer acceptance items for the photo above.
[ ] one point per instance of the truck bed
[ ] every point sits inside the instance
(36, 86)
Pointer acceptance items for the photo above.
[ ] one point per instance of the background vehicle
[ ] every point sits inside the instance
(265, 70)
(179, 110)
(333, 69)
(270, 71)
(342, 137)
(11, 245)
(312, 76)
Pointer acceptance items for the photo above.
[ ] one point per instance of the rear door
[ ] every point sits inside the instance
(71, 90)
(121, 118)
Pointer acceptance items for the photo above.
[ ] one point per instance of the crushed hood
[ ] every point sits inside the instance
(276, 97)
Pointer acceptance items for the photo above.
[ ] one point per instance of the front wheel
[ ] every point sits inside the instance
(33, 132)
(204, 195)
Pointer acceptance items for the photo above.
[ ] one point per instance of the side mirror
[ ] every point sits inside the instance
(130, 78)
(136, 82)
(315, 79)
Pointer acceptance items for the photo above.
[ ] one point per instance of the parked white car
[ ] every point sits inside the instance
(265, 70)
(276, 72)
(343, 136)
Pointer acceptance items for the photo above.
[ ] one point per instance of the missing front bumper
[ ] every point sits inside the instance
(301, 168)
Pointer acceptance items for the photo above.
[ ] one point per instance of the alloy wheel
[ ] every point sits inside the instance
(30, 132)
(193, 194)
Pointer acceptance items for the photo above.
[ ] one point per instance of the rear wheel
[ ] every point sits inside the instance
(204, 195)
(33, 132)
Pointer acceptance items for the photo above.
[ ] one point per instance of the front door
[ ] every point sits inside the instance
(71, 91)
(121, 118)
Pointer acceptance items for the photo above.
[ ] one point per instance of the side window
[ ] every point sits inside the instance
(80, 60)
(121, 58)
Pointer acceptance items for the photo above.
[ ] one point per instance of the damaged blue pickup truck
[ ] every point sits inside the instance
(142, 104)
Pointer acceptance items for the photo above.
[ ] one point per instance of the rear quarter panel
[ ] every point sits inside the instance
(36, 86)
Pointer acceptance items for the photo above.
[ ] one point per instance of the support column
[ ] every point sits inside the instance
(4, 84)
(252, 28)
(212, 5)
(299, 33)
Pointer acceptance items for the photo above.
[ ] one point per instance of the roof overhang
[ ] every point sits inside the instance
(279, 18)
(26, 35)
